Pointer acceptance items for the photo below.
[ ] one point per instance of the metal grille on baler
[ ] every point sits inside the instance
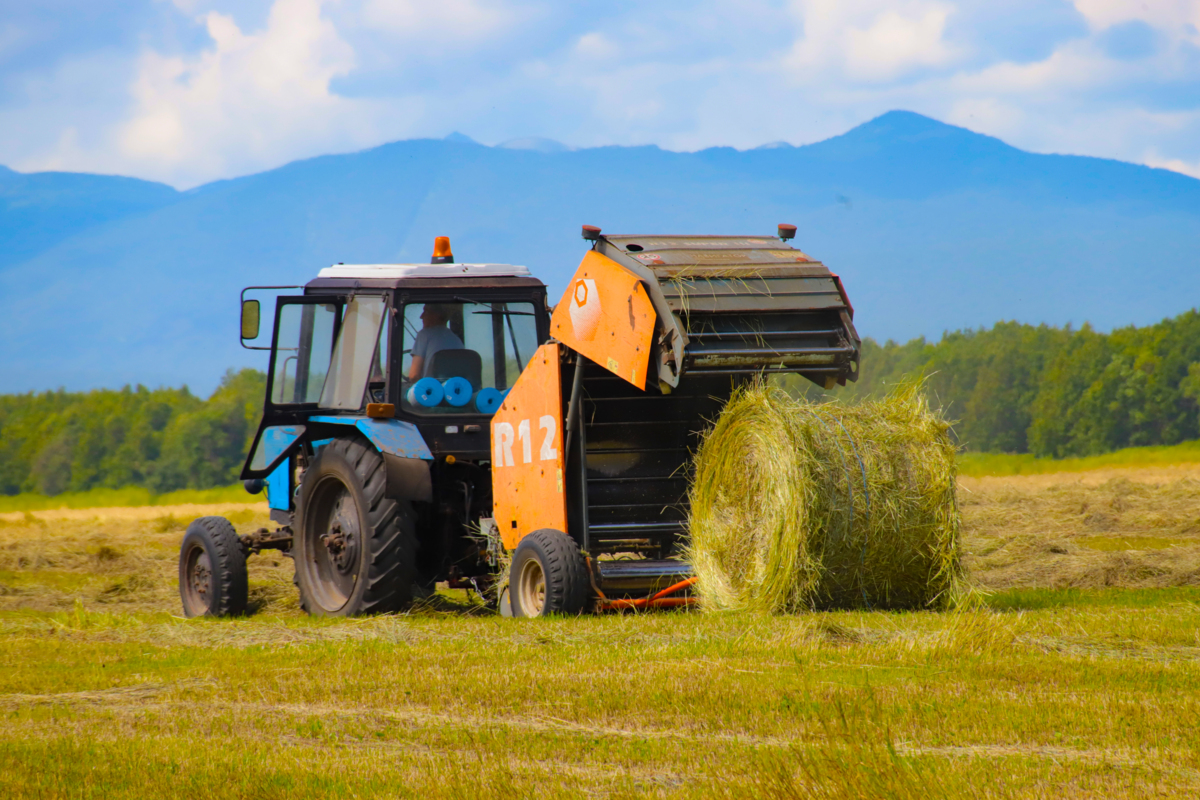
(639, 447)
(788, 320)
(809, 342)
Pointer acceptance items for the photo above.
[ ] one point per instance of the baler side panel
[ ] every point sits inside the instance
(527, 451)
(606, 315)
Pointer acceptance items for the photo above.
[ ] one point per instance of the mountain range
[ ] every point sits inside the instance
(110, 280)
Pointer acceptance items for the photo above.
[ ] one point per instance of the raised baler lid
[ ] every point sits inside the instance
(694, 278)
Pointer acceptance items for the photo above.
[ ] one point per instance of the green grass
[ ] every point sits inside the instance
(105, 692)
(1113, 544)
(1119, 597)
(1093, 699)
(126, 497)
(980, 464)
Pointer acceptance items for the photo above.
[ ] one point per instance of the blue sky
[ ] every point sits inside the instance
(188, 91)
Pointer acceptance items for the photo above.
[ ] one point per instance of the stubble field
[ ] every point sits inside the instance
(1079, 678)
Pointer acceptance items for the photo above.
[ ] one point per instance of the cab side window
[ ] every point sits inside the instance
(303, 347)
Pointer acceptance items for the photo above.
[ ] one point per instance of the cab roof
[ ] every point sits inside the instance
(443, 271)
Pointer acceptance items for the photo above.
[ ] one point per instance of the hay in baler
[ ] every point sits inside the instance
(798, 506)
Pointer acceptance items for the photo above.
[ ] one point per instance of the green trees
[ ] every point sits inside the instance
(1130, 388)
(1051, 391)
(162, 439)
(206, 447)
(1012, 388)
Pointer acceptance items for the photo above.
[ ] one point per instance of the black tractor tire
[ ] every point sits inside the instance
(212, 570)
(548, 576)
(355, 548)
(296, 583)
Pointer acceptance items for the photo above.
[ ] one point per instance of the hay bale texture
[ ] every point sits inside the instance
(798, 506)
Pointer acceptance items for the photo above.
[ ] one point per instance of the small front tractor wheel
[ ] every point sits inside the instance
(548, 576)
(355, 548)
(212, 570)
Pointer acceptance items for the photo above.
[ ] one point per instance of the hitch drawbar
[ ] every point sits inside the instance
(264, 539)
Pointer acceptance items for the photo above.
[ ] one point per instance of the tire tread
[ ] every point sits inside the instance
(567, 584)
(392, 541)
(228, 559)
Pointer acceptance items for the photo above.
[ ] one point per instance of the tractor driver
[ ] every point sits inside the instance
(433, 336)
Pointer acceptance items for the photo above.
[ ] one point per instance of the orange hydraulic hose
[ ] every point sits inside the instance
(679, 587)
(659, 600)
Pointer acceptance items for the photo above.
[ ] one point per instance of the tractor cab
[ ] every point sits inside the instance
(435, 347)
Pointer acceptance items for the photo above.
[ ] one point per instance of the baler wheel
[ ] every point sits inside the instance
(548, 576)
(355, 548)
(212, 570)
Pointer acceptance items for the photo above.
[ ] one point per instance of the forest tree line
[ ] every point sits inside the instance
(1012, 388)
(1052, 392)
(162, 439)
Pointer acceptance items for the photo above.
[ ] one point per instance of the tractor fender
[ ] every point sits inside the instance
(408, 478)
(404, 452)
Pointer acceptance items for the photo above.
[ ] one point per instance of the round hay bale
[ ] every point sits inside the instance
(798, 506)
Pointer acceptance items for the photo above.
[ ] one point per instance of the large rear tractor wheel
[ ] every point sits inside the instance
(548, 576)
(355, 549)
(212, 570)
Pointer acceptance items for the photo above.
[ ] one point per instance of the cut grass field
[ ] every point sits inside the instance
(1079, 679)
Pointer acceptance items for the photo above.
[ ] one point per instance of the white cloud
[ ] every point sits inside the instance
(439, 22)
(1168, 15)
(251, 98)
(1152, 159)
(322, 76)
(596, 46)
(870, 40)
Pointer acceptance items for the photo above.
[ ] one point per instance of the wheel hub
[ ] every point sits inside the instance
(335, 540)
(342, 547)
(201, 576)
(532, 588)
(342, 538)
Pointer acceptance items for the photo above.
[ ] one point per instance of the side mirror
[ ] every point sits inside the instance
(250, 315)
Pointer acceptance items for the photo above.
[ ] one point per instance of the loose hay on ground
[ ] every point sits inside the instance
(797, 505)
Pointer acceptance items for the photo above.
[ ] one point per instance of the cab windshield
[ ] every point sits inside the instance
(463, 357)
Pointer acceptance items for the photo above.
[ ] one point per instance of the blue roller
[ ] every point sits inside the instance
(488, 400)
(458, 391)
(426, 392)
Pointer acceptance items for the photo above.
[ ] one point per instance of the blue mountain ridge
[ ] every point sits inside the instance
(932, 227)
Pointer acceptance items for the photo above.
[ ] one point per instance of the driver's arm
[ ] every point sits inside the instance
(417, 368)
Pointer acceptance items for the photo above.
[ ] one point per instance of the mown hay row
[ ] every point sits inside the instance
(799, 506)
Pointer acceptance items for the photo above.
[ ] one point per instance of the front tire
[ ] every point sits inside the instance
(548, 576)
(355, 547)
(212, 570)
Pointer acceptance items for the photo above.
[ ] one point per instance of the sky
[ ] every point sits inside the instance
(190, 91)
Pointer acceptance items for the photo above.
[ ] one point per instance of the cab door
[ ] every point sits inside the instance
(302, 345)
(328, 353)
